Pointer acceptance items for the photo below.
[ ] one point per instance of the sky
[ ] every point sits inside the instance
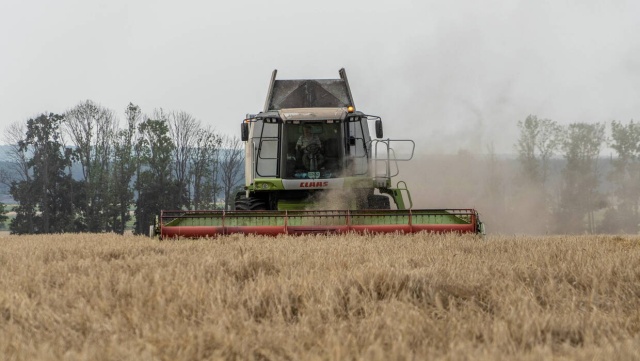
(451, 75)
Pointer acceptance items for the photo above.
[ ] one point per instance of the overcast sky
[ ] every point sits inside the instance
(449, 74)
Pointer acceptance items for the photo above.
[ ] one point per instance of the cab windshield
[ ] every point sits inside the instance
(313, 150)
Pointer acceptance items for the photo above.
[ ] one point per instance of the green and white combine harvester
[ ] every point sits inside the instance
(311, 166)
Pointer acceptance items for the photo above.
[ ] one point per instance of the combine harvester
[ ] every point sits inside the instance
(312, 167)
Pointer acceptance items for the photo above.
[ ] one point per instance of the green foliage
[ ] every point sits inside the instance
(47, 198)
(26, 219)
(539, 140)
(625, 140)
(92, 129)
(3, 215)
(175, 161)
(580, 196)
(156, 188)
(123, 168)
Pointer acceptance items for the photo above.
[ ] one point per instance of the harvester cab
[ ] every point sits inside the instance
(312, 166)
(310, 144)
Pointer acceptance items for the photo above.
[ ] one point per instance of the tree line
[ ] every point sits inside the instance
(556, 181)
(559, 182)
(166, 160)
(588, 193)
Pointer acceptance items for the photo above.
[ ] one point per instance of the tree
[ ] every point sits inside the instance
(231, 167)
(18, 171)
(204, 169)
(26, 220)
(3, 215)
(18, 177)
(49, 189)
(539, 140)
(18, 157)
(526, 147)
(625, 140)
(580, 196)
(92, 129)
(123, 168)
(156, 188)
(183, 129)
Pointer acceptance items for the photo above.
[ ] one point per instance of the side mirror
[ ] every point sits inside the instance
(379, 133)
(352, 140)
(244, 131)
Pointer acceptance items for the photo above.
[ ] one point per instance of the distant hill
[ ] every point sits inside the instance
(6, 199)
(4, 151)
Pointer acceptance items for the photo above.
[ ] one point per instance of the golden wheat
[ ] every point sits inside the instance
(107, 297)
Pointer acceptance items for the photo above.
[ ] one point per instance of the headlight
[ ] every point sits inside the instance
(263, 186)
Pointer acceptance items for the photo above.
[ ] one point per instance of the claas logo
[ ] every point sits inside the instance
(313, 184)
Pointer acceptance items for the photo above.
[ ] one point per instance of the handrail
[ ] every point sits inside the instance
(391, 156)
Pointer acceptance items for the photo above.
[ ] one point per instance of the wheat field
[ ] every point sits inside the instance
(376, 297)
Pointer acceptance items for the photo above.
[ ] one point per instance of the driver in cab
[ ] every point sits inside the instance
(309, 145)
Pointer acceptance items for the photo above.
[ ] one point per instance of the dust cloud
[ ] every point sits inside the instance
(337, 198)
(485, 182)
(332, 199)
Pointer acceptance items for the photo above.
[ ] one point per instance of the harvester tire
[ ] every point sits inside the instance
(378, 201)
(250, 204)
